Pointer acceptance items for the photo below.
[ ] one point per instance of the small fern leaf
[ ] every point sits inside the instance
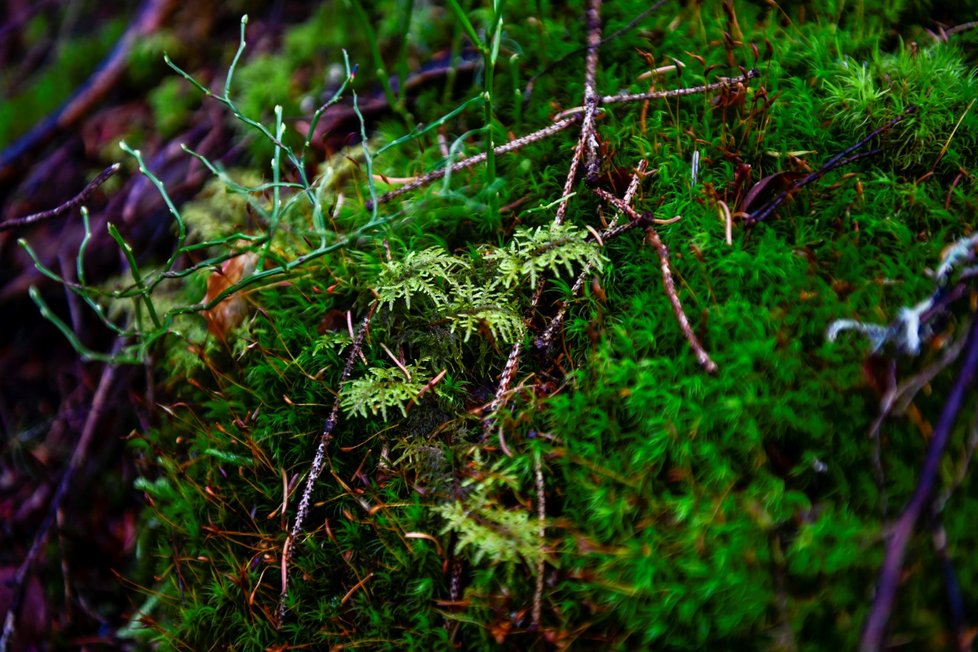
(553, 248)
(427, 273)
(475, 308)
(380, 390)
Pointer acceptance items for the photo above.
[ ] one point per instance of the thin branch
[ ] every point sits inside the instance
(723, 82)
(556, 127)
(874, 631)
(528, 90)
(545, 340)
(667, 281)
(541, 533)
(943, 35)
(957, 29)
(78, 457)
(588, 135)
(588, 140)
(512, 362)
(701, 355)
(844, 157)
(77, 200)
(318, 461)
(511, 146)
(152, 14)
(898, 399)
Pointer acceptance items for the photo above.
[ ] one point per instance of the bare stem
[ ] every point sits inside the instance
(590, 87)
(545, 340)
(667, 281)
(511, 146)
(874, 631)
(541, 532)
(318, 461)
(77, 200)
(723, 82)
(78, 457)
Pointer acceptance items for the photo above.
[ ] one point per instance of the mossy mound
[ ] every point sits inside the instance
(621, 496)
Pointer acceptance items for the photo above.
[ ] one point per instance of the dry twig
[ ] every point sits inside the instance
(545, 340)
(77, 200)
(723, 82)
(511, 146)
(585, 143)
(874, 630)
(667, 281)
(318, 461)
(572, 117)
(541, 532)
(844, 157)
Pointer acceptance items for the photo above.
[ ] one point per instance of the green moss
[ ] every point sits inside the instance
(683, 511)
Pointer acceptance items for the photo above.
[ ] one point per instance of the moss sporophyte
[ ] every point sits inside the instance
(421, 393)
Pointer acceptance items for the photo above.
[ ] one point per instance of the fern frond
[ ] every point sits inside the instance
(382, 389)
(473, 307)
(533, 251)
(492, 531)
(429, 272)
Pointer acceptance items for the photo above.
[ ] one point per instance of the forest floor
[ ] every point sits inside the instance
(398, 325)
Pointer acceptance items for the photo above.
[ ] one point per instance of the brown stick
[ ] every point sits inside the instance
(152, 14)
(874, 630)
(77, 200)
(318, 461)
(511, 146)
(542, 533)
(545, 340)
(588, 134)
(556, 127)
(588, 139)
(512, 362)
(723, 82)
(667, 280)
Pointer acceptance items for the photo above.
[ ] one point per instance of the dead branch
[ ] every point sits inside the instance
(874, 630)
(318, 461)
(511, 146)
(667, 281)
(78, 456)
(151, 17)
(844, 157)
(541, 532)
(588, 140)
(77, 200)
(723, 82)
(573, 116)
(528, 89)
(545, 340)
(590, 88)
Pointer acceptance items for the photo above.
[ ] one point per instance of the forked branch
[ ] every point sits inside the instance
(667, 281)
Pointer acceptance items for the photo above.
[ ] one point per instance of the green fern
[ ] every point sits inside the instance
(552, 248)
(475, 307)
(489, 530)
(430, 272)
(382, 389)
